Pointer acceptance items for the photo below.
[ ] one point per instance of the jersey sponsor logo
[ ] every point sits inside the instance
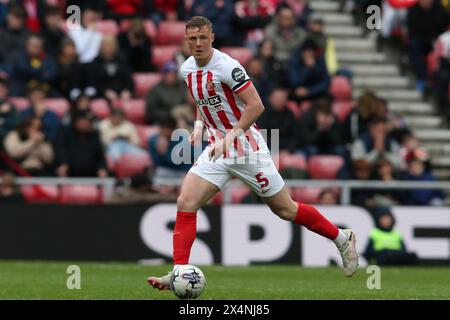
(212, 101)
(237, 75)
(216, 108)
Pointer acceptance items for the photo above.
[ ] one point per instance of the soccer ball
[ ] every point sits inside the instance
(187, 281)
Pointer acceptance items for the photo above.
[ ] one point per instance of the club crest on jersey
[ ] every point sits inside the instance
(210, 85)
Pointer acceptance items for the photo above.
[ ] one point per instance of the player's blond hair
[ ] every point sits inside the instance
(198, 22)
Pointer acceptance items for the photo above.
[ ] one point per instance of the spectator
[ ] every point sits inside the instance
(376, 144)
(386, 246)
(272, 67)
(285, 35)
(308, 75)
(70, 70)
(442, 74)
(110, 74)
(356, 123)
(181, 56)
(426, 21)
(136, 46)
(28, 147)
(50, 120)
(328, 197)
(160, 10)
(422, 197)
(14, 35)
(320, 131)
(9, 117)
(119, 136)
(35, 10)
(87, 40)
(410, 146)
(51, 31)
(162, 148)
(252, 16)
(301, 9)
(260, 78)
(221, 14)
(324, 43)
(383, 171)
(79, 150)
(81, 104)
(9, 191)
(167, 94)
(33, 65)
(278, 116)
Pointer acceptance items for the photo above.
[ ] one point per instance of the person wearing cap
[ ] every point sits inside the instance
(167, 94)
(386, 245)
(307, 75)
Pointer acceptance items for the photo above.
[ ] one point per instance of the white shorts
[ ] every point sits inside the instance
(257, 170)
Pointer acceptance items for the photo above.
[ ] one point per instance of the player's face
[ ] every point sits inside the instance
(200, 42)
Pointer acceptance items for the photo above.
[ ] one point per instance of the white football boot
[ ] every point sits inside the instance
(348, 253)
(162, 283)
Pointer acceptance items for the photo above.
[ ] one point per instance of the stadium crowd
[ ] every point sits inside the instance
(102, 98)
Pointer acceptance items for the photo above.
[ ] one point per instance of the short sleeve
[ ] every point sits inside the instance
(235, 76)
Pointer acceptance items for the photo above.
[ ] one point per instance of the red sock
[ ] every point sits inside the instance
(309, 217)
(184, 236)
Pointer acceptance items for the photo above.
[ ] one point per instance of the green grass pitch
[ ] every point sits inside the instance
(47, 280)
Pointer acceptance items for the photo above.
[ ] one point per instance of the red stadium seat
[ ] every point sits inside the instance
(294, 107)
(81, 194)
(130, 165)
(58, 105)
(144, 82)
(40, 193)
(307, 195)
(162, 54)
(239, 193)
(100, 108)
(342, 108)
(149, 27)
(107, 27)
(20, 103)
(134, 109)
(325, 166)
(296, 161)
(171, 32)
(241, 54)
(340, 88)
(145, 132)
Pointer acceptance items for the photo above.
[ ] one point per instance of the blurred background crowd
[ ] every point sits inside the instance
(103, 98)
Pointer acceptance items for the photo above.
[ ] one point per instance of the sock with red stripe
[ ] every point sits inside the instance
(313, 220)
(183, 236)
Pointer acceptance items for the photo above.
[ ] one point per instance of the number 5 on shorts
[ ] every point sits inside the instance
(263, 181)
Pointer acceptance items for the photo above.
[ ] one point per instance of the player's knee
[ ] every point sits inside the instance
(186, 204)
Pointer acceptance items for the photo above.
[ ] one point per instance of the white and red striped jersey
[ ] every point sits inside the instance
(214, 88)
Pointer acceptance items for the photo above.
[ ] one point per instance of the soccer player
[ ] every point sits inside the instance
(228, 105)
